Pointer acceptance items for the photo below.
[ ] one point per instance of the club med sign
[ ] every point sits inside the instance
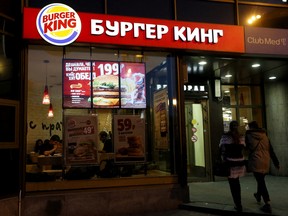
(132, 31)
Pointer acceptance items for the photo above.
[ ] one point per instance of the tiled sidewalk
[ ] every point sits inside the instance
(216, 197)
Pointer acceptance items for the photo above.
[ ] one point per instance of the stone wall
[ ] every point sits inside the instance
(276, 99)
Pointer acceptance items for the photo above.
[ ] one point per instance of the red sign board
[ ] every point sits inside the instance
(132, 31)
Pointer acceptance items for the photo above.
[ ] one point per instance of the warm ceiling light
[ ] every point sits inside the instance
(255, 65)
(50, 111)
(228, 75)
(202, 63)
(46, 98)
(253, 18)
(272, 77)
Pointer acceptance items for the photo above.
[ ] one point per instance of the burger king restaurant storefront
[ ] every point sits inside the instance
(132, 78)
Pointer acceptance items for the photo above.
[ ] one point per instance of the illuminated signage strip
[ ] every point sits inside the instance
(132, 31)
(195, 91)
(195, 88)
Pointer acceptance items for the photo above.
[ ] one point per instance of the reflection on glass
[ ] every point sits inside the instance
(244, 95)
(270, 16)
(228, 115)
(250, 114)
(228, 95)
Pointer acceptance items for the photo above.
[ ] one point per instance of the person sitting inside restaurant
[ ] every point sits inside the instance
(38, 145)
(106, 140)
(54, 146)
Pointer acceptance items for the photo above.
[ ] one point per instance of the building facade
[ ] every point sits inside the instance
(182, 74)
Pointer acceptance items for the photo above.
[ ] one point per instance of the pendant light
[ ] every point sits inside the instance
(46, 98)
(50, 111)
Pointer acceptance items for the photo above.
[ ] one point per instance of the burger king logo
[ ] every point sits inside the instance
(58, 24)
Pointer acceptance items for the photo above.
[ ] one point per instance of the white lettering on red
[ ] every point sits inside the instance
(197, 34)
(151, 31)
(112, 30)
(154, 31)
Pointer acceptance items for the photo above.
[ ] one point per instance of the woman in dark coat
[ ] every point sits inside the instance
(260, 153)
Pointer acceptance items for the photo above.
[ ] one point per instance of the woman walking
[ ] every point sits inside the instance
(231, 147)
(260, 152)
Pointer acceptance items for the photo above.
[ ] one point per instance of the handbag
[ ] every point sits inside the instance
(221, 168)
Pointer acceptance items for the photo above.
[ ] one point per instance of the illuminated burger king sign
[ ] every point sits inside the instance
(58, 24)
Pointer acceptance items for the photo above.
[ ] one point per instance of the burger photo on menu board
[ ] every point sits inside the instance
(106, 90)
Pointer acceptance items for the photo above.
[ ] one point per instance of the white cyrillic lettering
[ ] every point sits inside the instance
(138, 26)
(217, 32)
(150, 29)
(95, 28)
(178, 33)
(191, 35)
(125, 27)
(161, 30)
(208, 35)
(112, 30)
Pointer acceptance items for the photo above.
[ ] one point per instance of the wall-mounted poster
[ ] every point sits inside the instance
(76, 83)
(133, 88)
(160, 102)
(103, 84)
(129, 138)
(80, 139)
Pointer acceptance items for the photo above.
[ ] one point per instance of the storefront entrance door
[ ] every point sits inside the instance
(197, 136)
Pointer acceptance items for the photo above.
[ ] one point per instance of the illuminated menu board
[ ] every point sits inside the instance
(76, 83)
(132, 81)
(103, 84)
(106, 91)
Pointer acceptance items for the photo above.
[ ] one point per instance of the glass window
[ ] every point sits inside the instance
(262, 16)
(247, 108)
(150, 8)
(244, 95)
(45, 67)
(249, 95)
(205, 11)
(250, 114)
(229, 114)
(9, 78)
(228, 94)
(265, 1)
(81, 6)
